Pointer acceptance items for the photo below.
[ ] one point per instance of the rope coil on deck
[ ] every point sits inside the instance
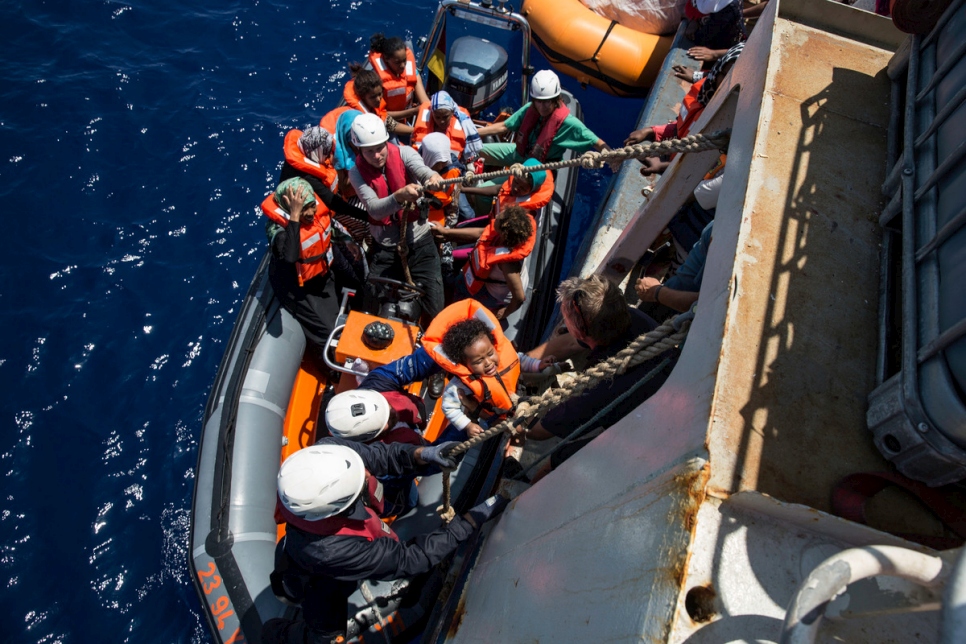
(645, 347)
(593, 160)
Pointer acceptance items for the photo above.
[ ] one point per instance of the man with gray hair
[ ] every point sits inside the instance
(599, 324)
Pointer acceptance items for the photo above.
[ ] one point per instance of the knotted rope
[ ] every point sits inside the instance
(643, 348)
(593, 160)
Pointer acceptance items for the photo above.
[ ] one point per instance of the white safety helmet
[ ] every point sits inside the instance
(544, 85)
(368, 130)
(357, 415)
(320, 481)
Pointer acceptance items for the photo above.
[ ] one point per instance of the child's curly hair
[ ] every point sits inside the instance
(462, 335)
(515, 226)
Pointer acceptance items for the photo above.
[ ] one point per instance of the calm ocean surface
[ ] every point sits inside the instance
(137, 139)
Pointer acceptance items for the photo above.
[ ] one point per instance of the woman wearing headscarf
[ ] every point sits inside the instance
(441, 114)
(305, 259)
(309, 156)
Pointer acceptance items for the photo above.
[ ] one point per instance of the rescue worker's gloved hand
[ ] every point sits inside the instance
(493, 506)
(434, 454)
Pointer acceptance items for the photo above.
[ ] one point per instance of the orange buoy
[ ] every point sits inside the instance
(593, 49)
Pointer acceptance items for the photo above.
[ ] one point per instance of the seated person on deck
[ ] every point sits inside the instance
(436, 155)
(365, 93)
(713, 26)
(396, 65)
(494, 274)
(442, 115)
(300, 233)
(544, 128)
(597, 318)
(309, 155)
(680, 291)
(532, 191)
(692, 105)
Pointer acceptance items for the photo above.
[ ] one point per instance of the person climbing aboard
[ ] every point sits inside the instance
(331, 505)
(385, 178)
(543, 128)
(494, 274)
(466, 340)
(301, 232)
(442, 114)
(395, 64)
(532, 191)
(692, 106)
(364, 92)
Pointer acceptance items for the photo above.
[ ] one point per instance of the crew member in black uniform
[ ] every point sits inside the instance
(328, 496)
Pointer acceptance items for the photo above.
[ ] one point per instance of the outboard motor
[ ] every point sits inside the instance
(476, 73)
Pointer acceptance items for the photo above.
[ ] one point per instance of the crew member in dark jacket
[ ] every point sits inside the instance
(335, 537)
(597, 318)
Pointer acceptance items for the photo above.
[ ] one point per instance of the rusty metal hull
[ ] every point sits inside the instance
(695, 518)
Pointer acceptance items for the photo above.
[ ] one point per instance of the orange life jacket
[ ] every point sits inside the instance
(370, 528)
(533, 201)
(425, 125)
(330, 121)
(718, 167)
(690, 109)
(353, 101)
(315, 256)
(296, 159)
(488, 252)
(494, 393)
(445, 197)
(397, 90)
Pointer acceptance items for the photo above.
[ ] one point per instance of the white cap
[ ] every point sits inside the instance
(321, 481)
(544, 85)
(357, 415)
(435, 147)
(368, 130)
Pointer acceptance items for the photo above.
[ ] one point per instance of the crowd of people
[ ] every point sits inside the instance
(361, 195)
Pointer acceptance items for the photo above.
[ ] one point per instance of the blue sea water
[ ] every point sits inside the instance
(136, 140)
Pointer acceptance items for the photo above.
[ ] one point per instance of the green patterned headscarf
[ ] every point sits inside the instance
(294, 183)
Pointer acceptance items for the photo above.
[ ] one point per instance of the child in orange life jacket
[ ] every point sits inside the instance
(495, 274)
(364, 92)
(437, 155)
(532, 192)
(466, 340)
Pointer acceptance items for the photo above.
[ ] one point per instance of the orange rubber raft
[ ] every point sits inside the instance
(595, 50)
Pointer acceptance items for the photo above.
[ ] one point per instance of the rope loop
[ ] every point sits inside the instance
(591, 160)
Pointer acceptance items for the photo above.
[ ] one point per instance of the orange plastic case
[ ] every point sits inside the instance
(352, 346)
